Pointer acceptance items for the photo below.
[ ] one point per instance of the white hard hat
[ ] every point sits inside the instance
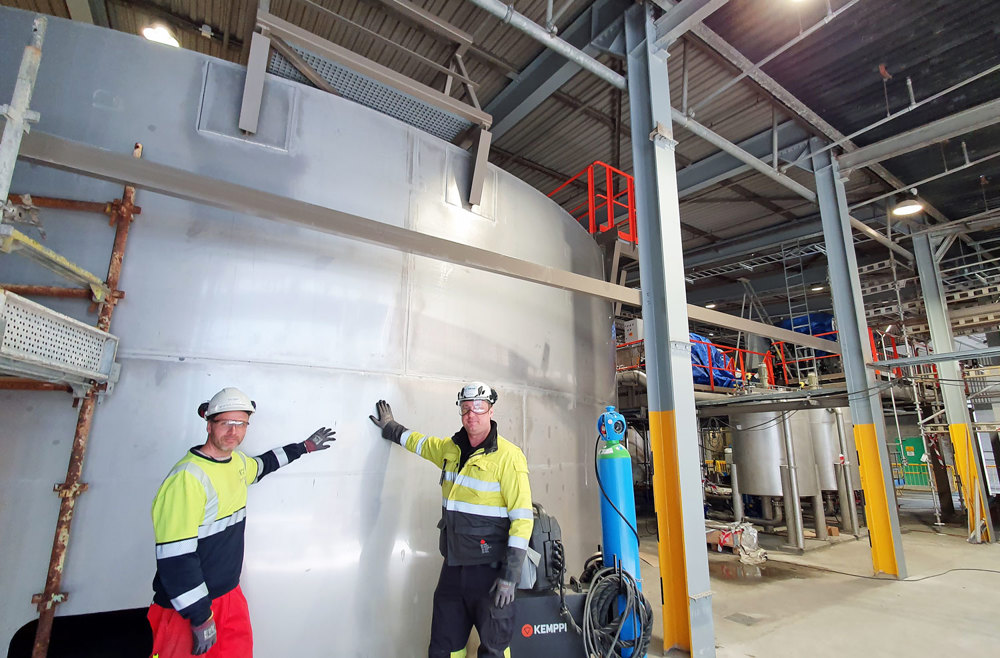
(477, 391)
(228, 399)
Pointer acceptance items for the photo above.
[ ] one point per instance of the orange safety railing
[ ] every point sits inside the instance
(606, 203)
(886, 352)
(735, 359)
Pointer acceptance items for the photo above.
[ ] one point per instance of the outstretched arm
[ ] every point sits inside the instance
(272, 460)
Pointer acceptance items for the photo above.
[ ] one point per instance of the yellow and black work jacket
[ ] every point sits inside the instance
(199, 517)
(486, 513)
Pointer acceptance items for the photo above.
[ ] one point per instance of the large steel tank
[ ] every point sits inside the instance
(827, 447)
(759, 452)
(315, 327)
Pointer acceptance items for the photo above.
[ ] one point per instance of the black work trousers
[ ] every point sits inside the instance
(462, 600)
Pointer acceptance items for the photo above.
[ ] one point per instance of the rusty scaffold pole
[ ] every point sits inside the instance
(122, 214)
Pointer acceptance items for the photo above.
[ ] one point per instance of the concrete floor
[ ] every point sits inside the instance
(786, 608)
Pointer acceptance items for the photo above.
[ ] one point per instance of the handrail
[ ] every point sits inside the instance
(605, 202)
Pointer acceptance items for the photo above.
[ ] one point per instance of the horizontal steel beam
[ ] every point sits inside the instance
(53, 151)
(708, 316)
(925, 359)
(682, 17)
(937, 131)
(747, 158)
(123, 168)
(714, 169)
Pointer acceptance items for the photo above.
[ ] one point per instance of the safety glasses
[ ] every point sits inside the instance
(478, 407)
(232, 423)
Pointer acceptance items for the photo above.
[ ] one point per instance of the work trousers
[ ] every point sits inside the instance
(462, 600)
(172, 636)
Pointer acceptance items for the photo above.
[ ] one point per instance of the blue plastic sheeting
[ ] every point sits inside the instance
(812, 324)
(700, 362)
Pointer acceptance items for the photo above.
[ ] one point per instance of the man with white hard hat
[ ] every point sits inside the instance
(199, 519)
(486, 523)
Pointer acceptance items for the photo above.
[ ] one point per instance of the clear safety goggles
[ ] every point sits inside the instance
(478, 407)
(232, 423)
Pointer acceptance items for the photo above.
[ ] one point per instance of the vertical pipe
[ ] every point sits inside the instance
(847, 502)
(737, 496)
(678, 492)
(819, 514)
(767, 507)
(793, 503)
(18, 112)
(71, 489)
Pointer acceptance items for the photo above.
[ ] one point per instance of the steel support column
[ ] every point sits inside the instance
(687, 604)
(967, 451)
(866, 403)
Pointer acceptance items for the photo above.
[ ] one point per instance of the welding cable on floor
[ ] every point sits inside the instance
(602, 627)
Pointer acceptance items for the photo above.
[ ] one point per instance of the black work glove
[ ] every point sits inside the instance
(503, 592)
(319, 439)
(391, 430)
(204, 636)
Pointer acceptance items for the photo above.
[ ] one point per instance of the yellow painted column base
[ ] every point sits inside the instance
(967, 467)
(667, 500)
(876, 499)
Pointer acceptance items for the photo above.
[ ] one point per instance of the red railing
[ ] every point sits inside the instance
(606, 203)
(886, 352)
(735, 362)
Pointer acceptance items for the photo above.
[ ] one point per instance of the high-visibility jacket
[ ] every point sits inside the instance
(486, 513)
(199, 519)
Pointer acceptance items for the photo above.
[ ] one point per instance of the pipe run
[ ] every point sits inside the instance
(507, 14)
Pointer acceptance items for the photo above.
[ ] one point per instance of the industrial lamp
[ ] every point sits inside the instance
(160, 34)
(906, 205)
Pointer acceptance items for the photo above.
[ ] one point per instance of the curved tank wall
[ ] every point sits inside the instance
(759, 452)
(826, 446)
(316, 328)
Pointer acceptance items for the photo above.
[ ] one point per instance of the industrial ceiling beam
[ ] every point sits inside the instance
(682, 17)
(957, 124)
(550, 71)
(507, 14)
(709, 171)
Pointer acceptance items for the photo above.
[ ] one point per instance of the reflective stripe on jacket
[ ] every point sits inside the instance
(486, 505)
(199, 519)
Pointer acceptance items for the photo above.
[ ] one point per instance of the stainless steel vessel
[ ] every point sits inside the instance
(315, 327)
(827, 446)
(759, 453)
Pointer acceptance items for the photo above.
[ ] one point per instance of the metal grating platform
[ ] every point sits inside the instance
(39, 343)
(371, 93)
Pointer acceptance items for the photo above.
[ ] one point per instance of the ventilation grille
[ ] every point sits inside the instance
(371, 93)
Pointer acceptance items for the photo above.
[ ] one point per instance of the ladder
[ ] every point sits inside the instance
(803, 358)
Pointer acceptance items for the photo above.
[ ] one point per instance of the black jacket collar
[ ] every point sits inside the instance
(461, 439)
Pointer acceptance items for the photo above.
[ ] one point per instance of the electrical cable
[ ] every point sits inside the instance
(602, 628)
(885, 579)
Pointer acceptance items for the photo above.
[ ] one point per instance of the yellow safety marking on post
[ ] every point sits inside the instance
(667, 501)
(968, 474)
(876, 500)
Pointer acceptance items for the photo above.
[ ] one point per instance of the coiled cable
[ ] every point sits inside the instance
(602, 626)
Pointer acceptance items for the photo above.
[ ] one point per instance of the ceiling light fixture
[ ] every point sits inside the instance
(709, 305)
(907, 204)
(160, 34)
(816, 288)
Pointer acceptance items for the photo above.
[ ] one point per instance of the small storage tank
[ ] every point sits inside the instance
(826, 446)
(759, 452)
